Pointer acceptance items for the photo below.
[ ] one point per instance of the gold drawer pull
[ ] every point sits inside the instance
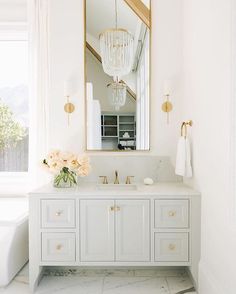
(172, 213)
(172, 247)
(114, 208)
(59, 213)
(59, 247)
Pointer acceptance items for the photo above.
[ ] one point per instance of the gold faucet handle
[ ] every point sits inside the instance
(105, 181)
(128, 180)
(116, 178)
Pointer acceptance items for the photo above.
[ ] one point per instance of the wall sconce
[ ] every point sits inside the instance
(167, 105)
(68, 92)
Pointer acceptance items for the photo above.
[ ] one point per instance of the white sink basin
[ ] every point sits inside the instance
(117, 187)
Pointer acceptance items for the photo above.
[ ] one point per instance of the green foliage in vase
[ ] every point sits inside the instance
(11, 131)
(66, 177)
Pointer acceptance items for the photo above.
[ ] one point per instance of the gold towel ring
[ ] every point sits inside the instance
(184, 127)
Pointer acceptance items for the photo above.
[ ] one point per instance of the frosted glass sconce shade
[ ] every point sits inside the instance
(167, 87)
(68, 88)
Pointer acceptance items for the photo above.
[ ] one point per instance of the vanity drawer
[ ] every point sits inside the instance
(171, 247)
(172, 213)
(58, 213)
(58, 246)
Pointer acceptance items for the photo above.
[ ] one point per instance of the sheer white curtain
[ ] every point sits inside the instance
(38, 12)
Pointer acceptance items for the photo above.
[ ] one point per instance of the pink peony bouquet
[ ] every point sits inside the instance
(66, 167)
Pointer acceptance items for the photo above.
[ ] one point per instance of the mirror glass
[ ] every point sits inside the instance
(117, 74)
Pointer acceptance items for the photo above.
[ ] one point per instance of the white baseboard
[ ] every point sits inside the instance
(208, 284)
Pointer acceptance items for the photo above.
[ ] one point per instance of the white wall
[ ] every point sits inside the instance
(206, 100)
(67, 59)
(13, 11)
(67, 51)
(166, 63)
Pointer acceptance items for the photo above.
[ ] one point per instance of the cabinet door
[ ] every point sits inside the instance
(97, 230)
(132, 230)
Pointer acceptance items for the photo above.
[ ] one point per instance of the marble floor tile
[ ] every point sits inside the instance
(70, 285)
(15, 288)
(23, 275)
(104, 281)
(135, 285)
(178, 284)
(120, 273)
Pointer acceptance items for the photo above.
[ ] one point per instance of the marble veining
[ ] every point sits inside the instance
(140, 285)
(190, 290)
(105, 281)
(159, 168)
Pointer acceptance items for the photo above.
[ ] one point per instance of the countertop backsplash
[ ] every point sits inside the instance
(159, 168)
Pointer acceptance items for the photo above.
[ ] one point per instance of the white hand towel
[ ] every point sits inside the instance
(183, 159)
(188, 166)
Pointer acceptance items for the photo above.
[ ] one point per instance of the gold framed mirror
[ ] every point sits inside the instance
(117, 74)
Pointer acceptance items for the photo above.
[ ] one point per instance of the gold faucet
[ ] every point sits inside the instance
(128, 180)
(105, 181)
(116, 178)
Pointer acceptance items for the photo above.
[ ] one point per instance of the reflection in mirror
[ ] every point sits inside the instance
(117, 74)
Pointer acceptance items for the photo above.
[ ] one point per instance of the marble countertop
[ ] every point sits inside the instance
(94, 190)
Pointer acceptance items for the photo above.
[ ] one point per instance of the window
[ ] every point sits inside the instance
(14, 101)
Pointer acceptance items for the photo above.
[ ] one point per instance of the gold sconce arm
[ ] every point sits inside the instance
(167, 106)
(69, 108)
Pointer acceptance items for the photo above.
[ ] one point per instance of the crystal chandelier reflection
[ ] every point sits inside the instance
(117, 94)
(117, 46)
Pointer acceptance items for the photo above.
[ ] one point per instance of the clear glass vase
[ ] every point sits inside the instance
(65, 179)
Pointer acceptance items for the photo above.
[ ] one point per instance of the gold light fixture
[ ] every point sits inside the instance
(117, 94)
(167, 106)
(68, 107)
(117, 50)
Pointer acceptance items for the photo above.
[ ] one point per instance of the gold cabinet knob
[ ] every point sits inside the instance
(59, 213)
(172, 213)
(115, 208)
(59, 247)
(172, 247)
(116, 182)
